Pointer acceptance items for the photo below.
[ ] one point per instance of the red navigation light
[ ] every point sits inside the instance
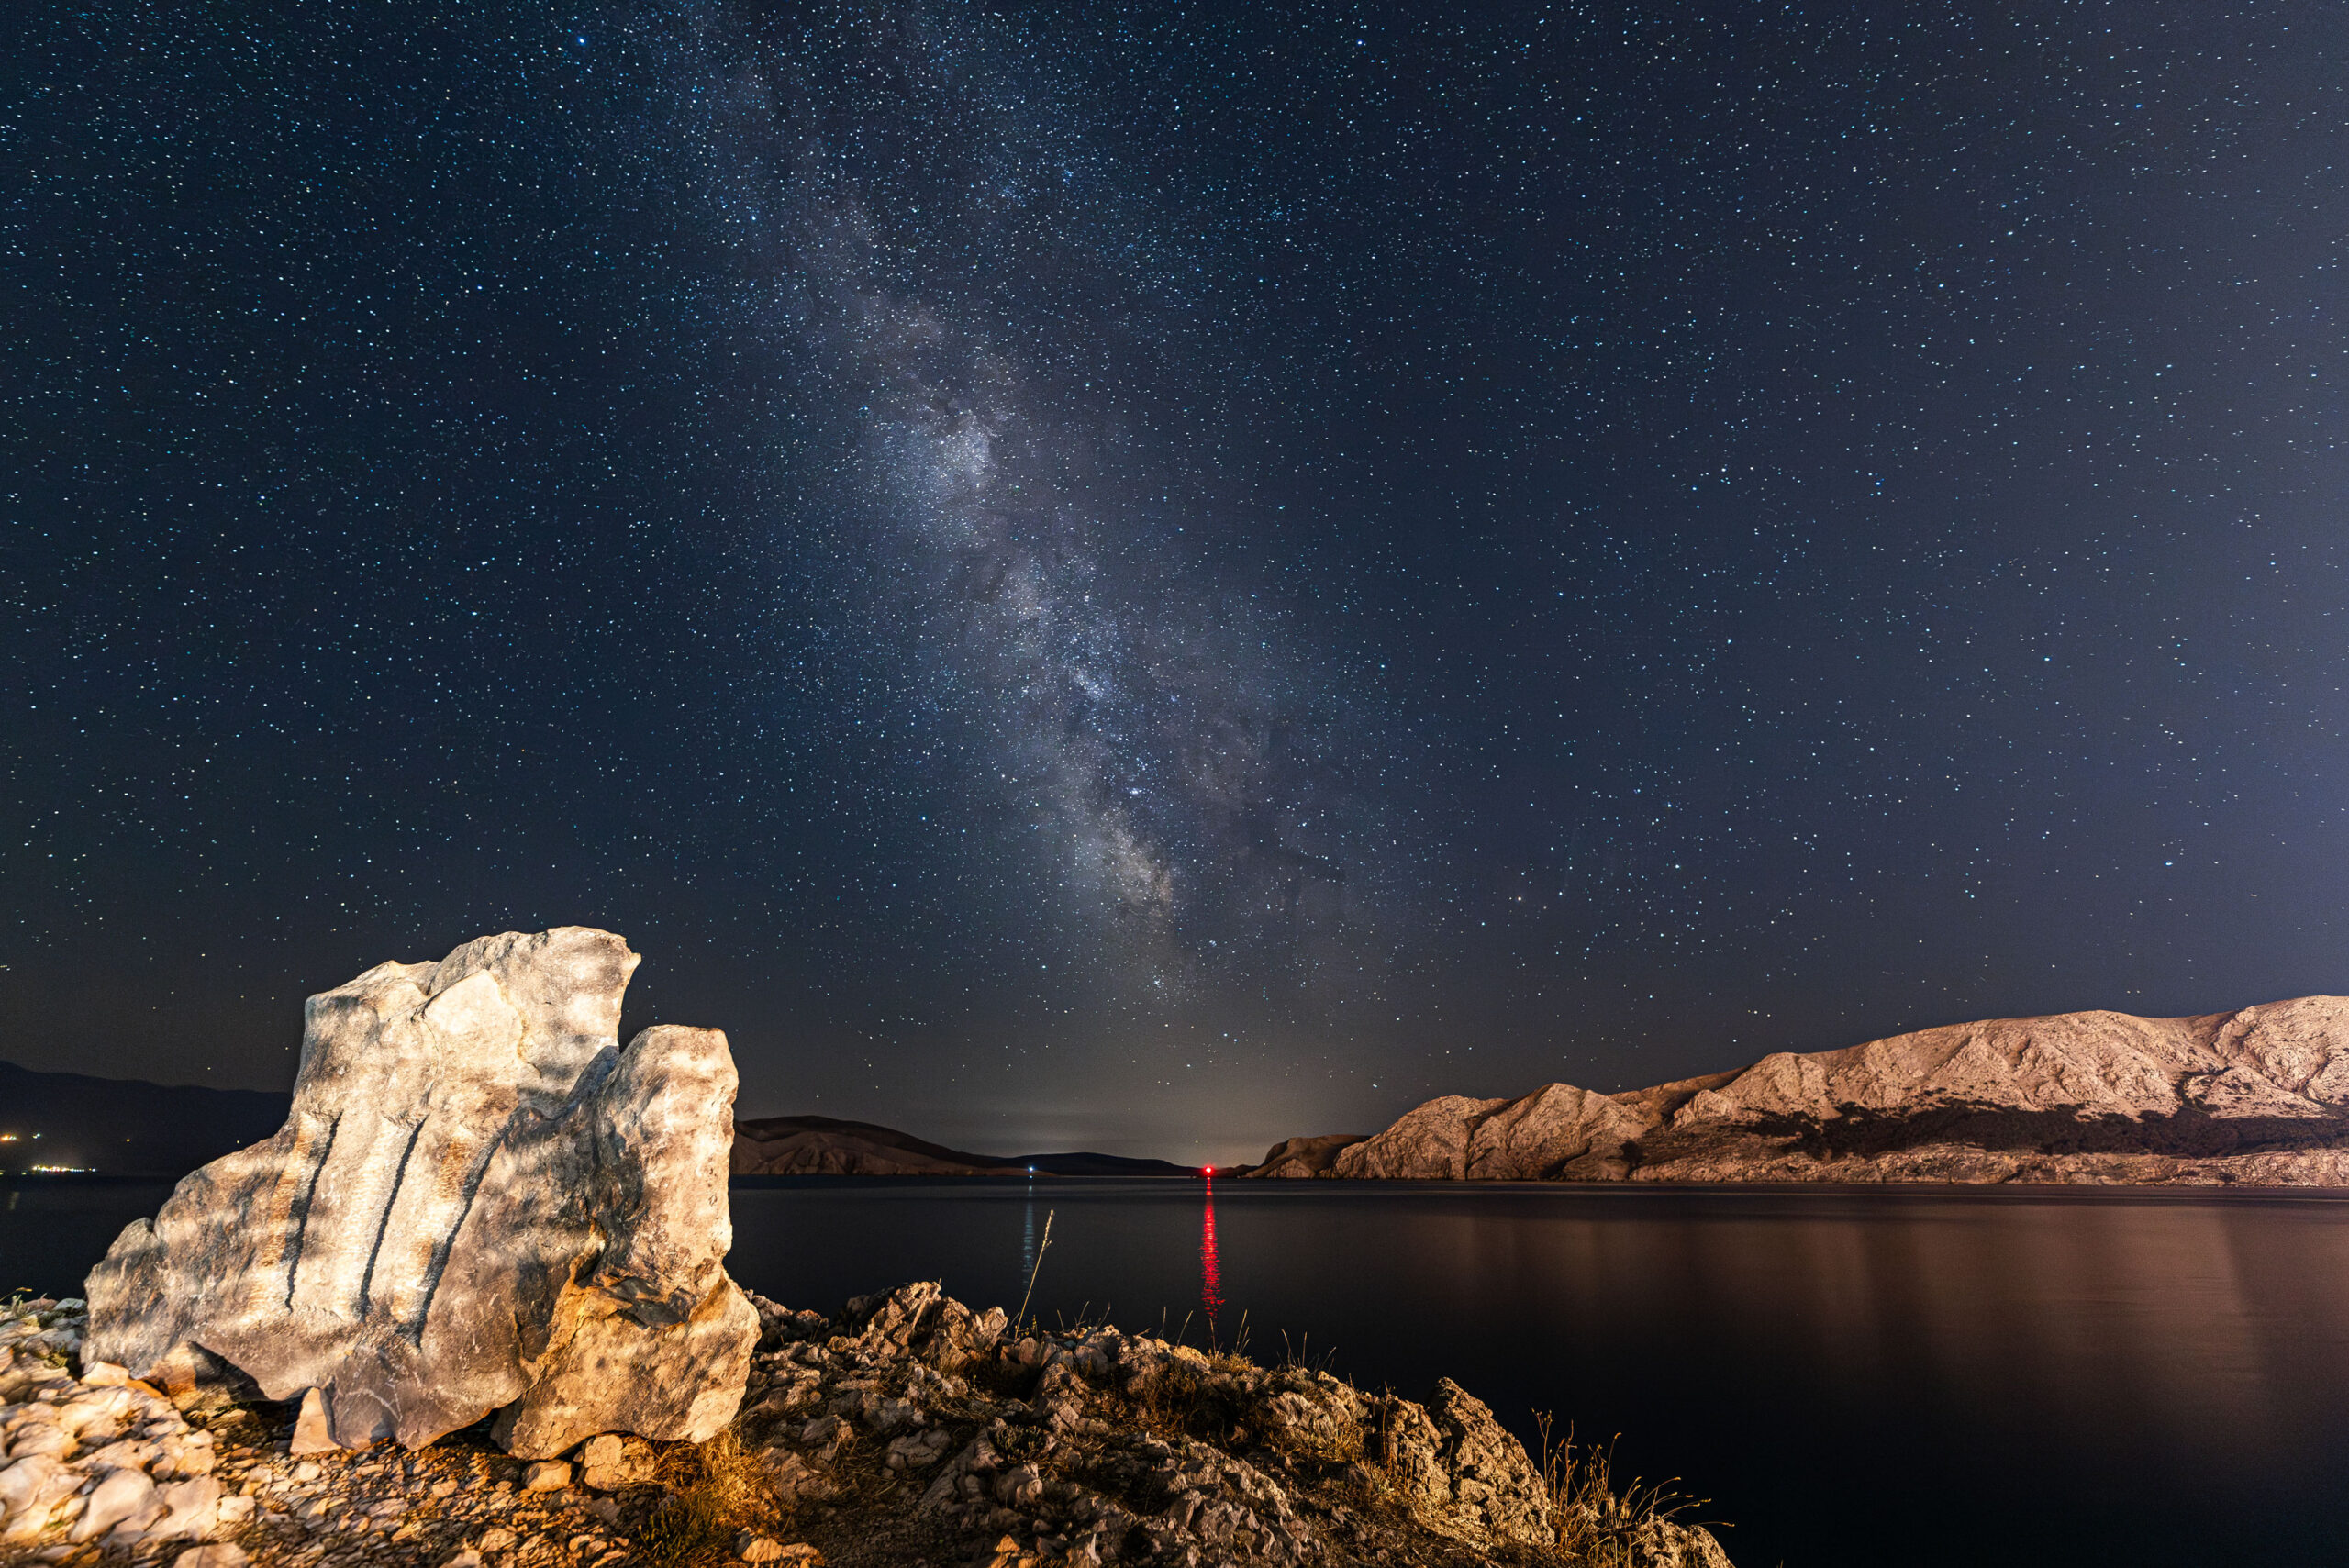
(1207, 1170)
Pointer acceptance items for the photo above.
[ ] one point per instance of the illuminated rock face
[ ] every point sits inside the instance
(1557, 1133)
(479, 1202)
(1430, 1143)
(2259, 1096)
(1294, 1158)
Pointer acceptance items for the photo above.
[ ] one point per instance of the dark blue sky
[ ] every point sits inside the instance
(1157, 578)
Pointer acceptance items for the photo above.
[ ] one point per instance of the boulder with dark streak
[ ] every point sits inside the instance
(479, 1202)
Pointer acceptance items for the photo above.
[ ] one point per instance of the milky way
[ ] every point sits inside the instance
(1157, 734)
(1165, 771)
(1173, 576)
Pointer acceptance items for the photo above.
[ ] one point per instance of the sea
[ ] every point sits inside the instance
(1833, 1378)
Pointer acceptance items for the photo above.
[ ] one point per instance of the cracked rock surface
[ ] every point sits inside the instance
(479, 1202)
(911, 1428)
(907, 1431)
(97, 1469)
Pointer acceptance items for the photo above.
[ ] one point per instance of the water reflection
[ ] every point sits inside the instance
(1210, 1270)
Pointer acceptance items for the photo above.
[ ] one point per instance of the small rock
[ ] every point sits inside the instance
(497, 1539)
(1008, 1554)
(606, 1463)
(918, 1451)
(124, 1497)
(45, 1440)
(1021, 1487)
(194, 1505)
(547, 1476)
(104, 1374)
(30, 1491)
(220, 1555)
(793, 1478)
(751, 1547)
(313, 1432)
(468, 1557)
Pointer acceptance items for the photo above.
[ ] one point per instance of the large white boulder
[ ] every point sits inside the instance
(480, 1203)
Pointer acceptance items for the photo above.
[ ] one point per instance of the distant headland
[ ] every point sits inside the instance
(2258, 1097)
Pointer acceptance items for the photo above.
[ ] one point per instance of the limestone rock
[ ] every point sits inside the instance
(312, 1433)
(610, 1462)
(2273, 1059)
(220, 1555)
(479, 1202)
(546, 1475)
(1661, 1543)
(1090, 1445)
(2257, 1096)
(1296, 1157)
(121, 1497)
(1430, 1143)
(1558, 1132)
(31, 1490)
(1472, 1470)
(1080, 1446)
(795, 1478)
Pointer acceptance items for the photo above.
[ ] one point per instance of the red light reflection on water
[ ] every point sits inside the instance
(1210, 1275)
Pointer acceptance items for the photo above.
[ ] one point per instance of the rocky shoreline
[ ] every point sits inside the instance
(908, 1431)
(468, 1308)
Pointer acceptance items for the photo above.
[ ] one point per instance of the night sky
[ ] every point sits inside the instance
(1156, 577)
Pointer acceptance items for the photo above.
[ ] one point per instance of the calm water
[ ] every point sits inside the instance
(1852, 1379)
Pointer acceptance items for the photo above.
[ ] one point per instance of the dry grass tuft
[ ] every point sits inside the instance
(1597, 1526)
(714, 1491)
(684, 1529)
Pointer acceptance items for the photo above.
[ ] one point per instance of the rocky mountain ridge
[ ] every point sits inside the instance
(826, 1146)
(2258, 1096)
(118, 1127)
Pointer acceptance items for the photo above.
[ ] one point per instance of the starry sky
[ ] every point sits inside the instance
(1154, 577)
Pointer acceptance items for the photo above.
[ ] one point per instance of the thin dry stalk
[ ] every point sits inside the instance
(1041, 1248)
(1597, 1526)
